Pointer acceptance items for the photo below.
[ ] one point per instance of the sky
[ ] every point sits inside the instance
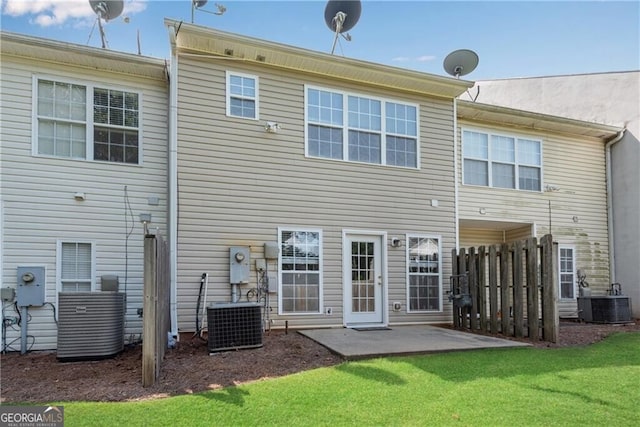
(511, 38)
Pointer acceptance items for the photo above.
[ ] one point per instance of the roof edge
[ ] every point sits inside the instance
(322, 63)
(536, 121)
(74, 54)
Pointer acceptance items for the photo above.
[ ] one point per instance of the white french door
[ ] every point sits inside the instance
(363, 279)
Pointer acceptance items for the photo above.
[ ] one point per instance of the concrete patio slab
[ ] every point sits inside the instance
(402, 340)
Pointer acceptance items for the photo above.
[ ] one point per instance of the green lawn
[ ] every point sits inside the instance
(597, 385)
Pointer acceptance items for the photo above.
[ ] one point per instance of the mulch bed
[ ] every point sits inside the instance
(38, 377)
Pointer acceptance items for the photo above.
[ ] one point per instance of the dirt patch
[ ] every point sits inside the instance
(38, 377)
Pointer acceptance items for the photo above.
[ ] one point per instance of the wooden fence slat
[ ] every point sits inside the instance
(498, 277)
(493, 288)
(462, 269)
(453, 283)
(504, 289)
(156, 305)
(473, 289)
(532, 289)
(518, 291)
(149, 313)
(550, 318)
(482, 287)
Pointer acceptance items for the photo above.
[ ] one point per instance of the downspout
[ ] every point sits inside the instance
(173, 180)
(612, 257)
(455, 172)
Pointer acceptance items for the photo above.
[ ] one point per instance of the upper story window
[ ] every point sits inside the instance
(501, 161)
(242, 95)
(361, 129)
(87, 122)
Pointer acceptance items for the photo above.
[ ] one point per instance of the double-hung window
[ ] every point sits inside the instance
(362, 129)
(502, 161)
(242, 95)
(301, 271)
(424, 273)
(567, 272)
(87, 122)
(75, 266)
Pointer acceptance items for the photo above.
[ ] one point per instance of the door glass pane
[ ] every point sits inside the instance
(363, 277)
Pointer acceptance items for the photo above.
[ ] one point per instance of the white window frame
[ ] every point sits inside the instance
(409, 274)
(59, 263)
(345, 127)
(88, 121)
(573, 272)
(255, 98)
(490, 161)
(320, 272)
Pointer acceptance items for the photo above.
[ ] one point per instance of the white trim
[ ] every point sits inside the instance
(173, 181)
(88, 121)
(574, 272)
(255, 99)
(516, 137)
(345, 126)
(407, 281)
(320, 271)
(346, 274)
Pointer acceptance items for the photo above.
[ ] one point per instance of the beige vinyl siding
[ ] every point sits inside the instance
(238, 184)
(577, 168)
(38, 192)
(521, 233)
(470, 236)
(474, 237)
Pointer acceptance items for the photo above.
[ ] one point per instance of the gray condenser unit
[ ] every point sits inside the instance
(605, 309)
(90, 325)
(232, 326)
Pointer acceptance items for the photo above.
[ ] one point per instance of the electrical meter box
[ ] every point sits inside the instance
(239, 263)
(31, 286)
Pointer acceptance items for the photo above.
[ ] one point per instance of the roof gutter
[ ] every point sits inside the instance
(612, 254)
(173, 180)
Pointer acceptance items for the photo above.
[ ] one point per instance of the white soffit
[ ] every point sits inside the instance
(209, 43)
(82, 56)
(497, 115)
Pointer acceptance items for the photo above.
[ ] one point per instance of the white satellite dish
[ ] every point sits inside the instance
(200, 4)
(107, 10)
(341, 16)
(460, 62)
